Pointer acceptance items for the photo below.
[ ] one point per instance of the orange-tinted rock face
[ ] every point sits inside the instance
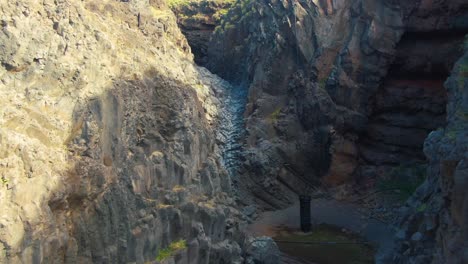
(343, 164)
(311, 74)
(340, 90)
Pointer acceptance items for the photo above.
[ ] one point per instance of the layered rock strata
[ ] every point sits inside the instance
(338, 91)
(340, 88)
(433, 223)
(312, 68)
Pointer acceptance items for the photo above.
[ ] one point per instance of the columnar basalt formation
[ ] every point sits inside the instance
(107, 134)
(112, 147)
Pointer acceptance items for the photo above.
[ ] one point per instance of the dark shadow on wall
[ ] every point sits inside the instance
(410, 103)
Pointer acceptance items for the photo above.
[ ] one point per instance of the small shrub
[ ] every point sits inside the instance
(422, 208)
(178, 3)
(405, 179)
(228, 26)
(219, 14)
(218, 30)
(323, 83)
(171, 250)
(274, 116)
(451, 134)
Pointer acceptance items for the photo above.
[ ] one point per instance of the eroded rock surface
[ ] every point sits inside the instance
(197, 20)
(110, 143)
(338, 89)
(346, 91)
(107, 138)
(434, 222)
(312, 68)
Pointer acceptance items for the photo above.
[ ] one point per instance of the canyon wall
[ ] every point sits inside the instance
(339, 91)
(312, 67)
(197, 21)
(347, 91)
(107, 135)
(433, 226)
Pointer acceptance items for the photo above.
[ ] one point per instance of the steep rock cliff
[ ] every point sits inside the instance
(434, 221)
(197, 20)
(344, 91)
(107, 134)
(312, 67)
(338, 90)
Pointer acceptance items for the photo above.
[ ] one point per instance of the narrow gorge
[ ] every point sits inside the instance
(185, 131)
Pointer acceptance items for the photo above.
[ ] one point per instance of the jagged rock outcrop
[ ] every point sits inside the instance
(197, 20)
(342, 90)
(338, 90)
(434, 222)
(312, 68)
(411, 100)
(262, 250)
(107, 132)
(109, 149)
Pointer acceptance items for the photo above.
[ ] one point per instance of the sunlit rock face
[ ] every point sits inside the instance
(107, 137)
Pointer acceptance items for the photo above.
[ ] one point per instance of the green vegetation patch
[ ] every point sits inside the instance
(274, 116)
(349, 248)
(464, 69)
(238, 11)
(200, 11)
(404, 179)
(323, 83)
(422, 208)
(178, 3)
(451, 134)
(171, 250)
(463, 72)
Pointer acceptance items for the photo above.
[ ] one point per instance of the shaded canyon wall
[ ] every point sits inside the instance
(345, 91)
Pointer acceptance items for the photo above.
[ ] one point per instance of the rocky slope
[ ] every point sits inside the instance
(107, 132)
